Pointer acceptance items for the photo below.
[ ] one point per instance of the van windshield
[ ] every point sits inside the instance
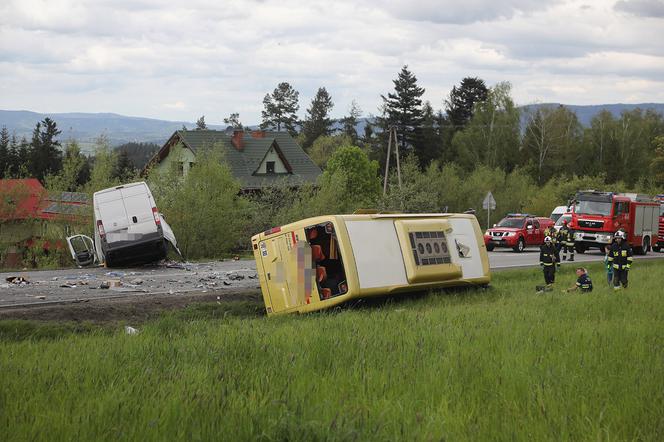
(593, 208)
(326, 260)
(516, 223)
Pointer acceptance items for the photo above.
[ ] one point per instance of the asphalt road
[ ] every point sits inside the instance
(81, 285)
(501, 259)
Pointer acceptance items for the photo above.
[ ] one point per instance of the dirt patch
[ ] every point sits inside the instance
(135, 309)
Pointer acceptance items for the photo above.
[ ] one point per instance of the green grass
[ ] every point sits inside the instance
(486, 364)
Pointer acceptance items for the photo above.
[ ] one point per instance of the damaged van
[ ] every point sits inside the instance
(321, 262)
(129, 229)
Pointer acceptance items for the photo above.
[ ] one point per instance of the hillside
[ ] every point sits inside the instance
(120, 129)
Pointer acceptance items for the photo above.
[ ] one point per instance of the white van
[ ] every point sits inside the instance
(128, 229)
(558, 212)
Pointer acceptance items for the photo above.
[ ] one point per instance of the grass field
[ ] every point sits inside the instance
(485, 364)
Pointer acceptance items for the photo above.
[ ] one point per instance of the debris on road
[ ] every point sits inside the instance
(18, 280)
(130, 330)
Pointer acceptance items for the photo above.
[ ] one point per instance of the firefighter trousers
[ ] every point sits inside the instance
(619, 277)
(570, 249)
(549, 274)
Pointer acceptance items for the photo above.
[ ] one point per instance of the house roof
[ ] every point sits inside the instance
(245, 162)
(22, 199)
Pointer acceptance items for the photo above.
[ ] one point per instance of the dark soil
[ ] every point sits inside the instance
(134, 308)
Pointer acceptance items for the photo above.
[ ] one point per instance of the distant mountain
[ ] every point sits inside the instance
(120, 129)
(585, 114)
(86, 127)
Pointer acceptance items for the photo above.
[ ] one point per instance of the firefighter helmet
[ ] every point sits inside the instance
(547, 239)
(619, 234)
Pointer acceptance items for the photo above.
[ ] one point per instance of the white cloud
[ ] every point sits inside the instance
(149, 58)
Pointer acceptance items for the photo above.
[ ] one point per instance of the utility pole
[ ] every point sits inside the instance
(392, 139)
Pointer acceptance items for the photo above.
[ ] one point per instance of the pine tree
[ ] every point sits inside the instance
(4, 151)
(317, 121)
(124, 169)
(462, 100)
(45, 153)
(23, 159)
(428, 144)
(200, 123)
(403, 108)
(12, 158)
(234, 121)
(349, 122)
(280, 109)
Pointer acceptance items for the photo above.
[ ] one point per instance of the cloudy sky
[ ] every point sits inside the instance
(180, 59)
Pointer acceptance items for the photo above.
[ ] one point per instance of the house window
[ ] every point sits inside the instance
(181, 168)
(269, 167)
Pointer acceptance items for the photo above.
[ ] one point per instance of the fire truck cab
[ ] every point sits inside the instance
(597, 216)
(321, 262)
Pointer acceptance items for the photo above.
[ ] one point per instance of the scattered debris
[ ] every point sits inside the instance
(40, 297)
(130, 330)
(105, 285)
(68, 285)
(115, 274)
(235, 277)
(18, 280)
(136, 281)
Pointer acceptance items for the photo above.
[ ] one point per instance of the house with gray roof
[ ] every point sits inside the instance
(257, 159)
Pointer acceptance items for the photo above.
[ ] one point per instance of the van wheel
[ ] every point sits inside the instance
(490, 247)
(520, 246)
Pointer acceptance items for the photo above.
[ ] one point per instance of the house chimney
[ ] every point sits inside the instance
(258, 134)
(237, 140)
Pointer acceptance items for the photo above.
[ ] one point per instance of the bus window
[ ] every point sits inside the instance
(326, 260)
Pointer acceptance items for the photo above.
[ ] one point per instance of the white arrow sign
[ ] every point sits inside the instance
(489, 202)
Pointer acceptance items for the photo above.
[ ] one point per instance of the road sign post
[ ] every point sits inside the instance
(488, 204)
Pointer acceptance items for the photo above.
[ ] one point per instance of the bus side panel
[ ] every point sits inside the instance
(472, 262)
(377, 253)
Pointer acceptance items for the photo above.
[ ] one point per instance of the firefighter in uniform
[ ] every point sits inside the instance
(549, 259)
(551, 232)
(620, 257)
(566, 241)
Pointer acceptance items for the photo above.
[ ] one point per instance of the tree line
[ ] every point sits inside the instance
(480, 126)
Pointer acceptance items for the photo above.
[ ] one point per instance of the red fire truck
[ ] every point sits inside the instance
(596, 216)
(660, 241)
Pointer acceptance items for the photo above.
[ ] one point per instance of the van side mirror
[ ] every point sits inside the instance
(495, 225)
(529, 227)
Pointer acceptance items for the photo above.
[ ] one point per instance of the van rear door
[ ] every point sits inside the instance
(138, 206)
(111, 211)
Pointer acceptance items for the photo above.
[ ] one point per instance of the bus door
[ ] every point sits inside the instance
(281, 264)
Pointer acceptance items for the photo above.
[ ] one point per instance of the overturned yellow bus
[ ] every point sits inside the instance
(320, 262)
